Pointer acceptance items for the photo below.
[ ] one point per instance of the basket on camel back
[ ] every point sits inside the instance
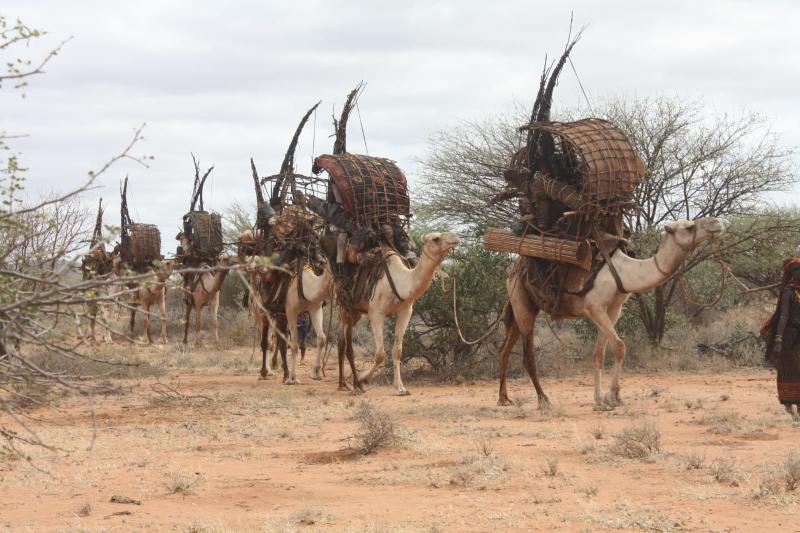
(204, 231)
(372, 190)
(144, 242)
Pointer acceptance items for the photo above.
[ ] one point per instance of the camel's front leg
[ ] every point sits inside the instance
(106, 328)
(265, 367)
(291, 319)
(162, 306)
(146, 312)
(401, 325)
(376, 322)
(215, 315)
(620, 350)
(606, 332)
(198, 322)
(319, 330)
(512, 334)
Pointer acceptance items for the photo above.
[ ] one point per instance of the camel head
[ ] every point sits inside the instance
(437, 245)
(687, 234)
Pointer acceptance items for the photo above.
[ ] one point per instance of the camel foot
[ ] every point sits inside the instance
(343, 388)
(291, 381)
(544, 403)
(316, 375)
(612, 399)
(504, 402)
(357, 392)
(602, 407)
(402, 392)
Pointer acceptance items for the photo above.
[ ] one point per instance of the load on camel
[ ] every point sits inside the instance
(97, 263)
(574, 183)
(139, 251)
(201, 247)
(377, 273)
(288, 276)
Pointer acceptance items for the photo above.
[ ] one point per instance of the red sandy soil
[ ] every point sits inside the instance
(261, 456)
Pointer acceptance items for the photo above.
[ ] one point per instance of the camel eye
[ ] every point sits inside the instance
(437, 239)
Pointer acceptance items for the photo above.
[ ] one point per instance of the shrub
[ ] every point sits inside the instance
(638, 441)
(376, 429)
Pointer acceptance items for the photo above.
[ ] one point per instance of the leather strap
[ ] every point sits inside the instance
(607, 259)
(389, 277)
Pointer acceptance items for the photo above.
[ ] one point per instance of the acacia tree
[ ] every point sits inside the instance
(696, 165)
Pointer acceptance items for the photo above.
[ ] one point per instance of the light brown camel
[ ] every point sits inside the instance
(273, 323)
(152, 291)
(411, 284)
(602, 304)
(201, 289)
(97, 263)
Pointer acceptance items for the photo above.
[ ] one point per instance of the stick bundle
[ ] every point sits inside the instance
(567, 251)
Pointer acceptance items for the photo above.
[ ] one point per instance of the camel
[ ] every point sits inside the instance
(602, 304)
(200, 290)
(152, 291)
(411, 284)
(97, 263)
(315, 290)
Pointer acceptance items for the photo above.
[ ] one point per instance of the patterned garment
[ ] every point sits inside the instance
(782, 332)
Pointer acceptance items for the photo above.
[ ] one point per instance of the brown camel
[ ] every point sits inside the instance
(411, 284)
(152, 291)
(602, 304)
(97, 263)
(202, 289)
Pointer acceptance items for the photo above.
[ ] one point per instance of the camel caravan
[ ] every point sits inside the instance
(339, 236)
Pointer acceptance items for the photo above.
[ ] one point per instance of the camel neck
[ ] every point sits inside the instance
(642, 275)
(422, 275)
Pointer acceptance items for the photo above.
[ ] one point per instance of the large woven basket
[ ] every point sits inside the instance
(373, 190)
(144, 242)
(608, 165)
(205, 231)
(293, 224)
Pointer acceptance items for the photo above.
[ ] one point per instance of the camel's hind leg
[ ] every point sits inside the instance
(512, 334)
(146, 313)
(322, 340)
(215, 315)
(291, 322)
(529, 361)
(265, 369)
(162, 307)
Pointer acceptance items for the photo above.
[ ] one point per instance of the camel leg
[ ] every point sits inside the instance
(401, 325)
(106, 329)
(620, 350)
(291, 320)
(198, 324)
(282, 348)
(273, 332)
(188, 314)
(162, 307)
(265, 370)
(319, 330)
(606, 332)
(357, 386)
(512, 334)
(92, 314)
(341, 348)
(376, 322)
(215, 315)
(146, 312)
(134, 307)
(529, 361)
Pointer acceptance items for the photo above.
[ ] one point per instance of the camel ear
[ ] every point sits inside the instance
(691, 225)
(670, 228)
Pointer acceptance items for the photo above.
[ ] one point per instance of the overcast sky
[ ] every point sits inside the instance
(230, 80)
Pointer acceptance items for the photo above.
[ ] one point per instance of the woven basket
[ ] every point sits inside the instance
(561, 250)
(373, 190)
(205, 232)
(609, 166)
(144, 242)
(293, 224)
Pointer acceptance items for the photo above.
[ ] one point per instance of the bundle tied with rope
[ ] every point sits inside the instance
(140, 244)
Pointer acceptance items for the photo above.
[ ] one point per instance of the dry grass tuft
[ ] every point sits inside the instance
(550, 466)
(695, 460)
(179, 482)
(599, 431)
(792, 471)
(376, 429)
(638, 441)
(724, 423)
(484, 446)
(85, 510)
(310, 516)
(477, 471)
(725, 471)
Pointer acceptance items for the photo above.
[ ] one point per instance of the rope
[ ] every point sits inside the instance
(483, 337)
(723, 271)
(328, 338)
